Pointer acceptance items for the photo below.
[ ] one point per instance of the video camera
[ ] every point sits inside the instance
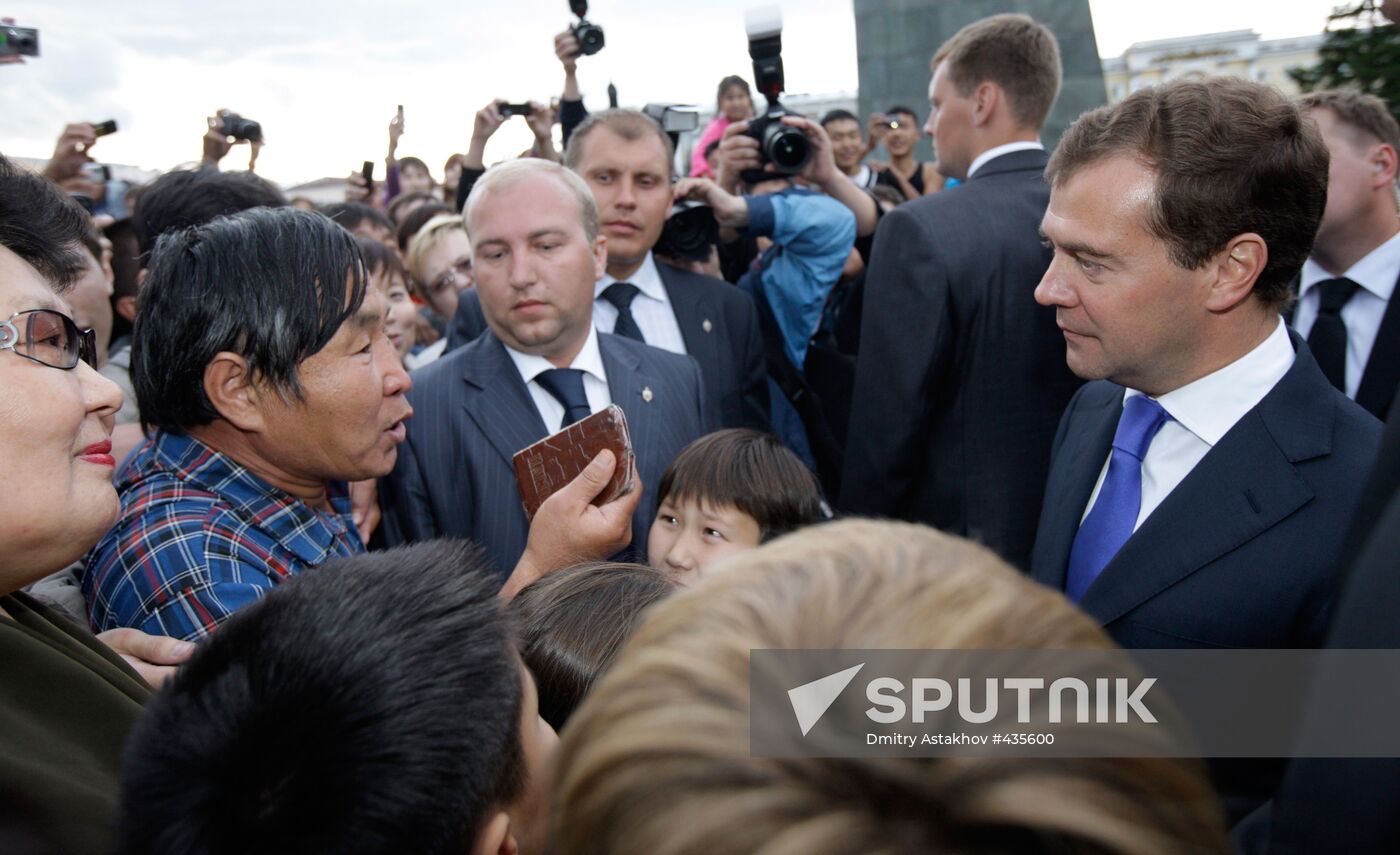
(233, 125)
(590, 36)
(690, 228)
(783, 146)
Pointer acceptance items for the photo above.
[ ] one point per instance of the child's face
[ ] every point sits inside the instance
(687, 536)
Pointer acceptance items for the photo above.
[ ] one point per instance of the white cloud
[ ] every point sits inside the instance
(324, 77)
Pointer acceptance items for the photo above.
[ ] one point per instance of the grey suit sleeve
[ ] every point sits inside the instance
(403, 501)
(906, 343)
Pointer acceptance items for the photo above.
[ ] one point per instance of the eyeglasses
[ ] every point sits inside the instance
(48, 338)
(460, 271)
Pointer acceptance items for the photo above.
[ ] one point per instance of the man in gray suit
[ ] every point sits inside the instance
(536, 253)
(625, 157)
(960, 380)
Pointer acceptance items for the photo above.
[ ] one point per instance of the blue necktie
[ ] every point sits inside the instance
(1110, 522)
(566, 385)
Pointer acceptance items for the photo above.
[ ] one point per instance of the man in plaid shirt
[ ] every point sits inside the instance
(269, 384)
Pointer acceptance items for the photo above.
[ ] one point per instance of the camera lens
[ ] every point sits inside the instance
(787, 149)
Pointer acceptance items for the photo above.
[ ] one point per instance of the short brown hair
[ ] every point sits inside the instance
(571, 624)
(1357, 110)
(749, 470)
(658, 758)
(1230, 156)
(631, 125)
(1014, 52)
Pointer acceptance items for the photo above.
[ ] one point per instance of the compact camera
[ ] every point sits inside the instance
(233, 125)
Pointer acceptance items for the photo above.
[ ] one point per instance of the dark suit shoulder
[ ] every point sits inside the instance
(700, 285)
(1095, 395)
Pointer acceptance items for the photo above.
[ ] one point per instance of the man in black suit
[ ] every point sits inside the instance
(536, 253)
(1345, 308)
(1202, 487)
(625, 158)
(960, 379)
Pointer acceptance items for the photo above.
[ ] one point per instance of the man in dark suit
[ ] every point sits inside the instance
(1202, 487)
(625, 158)
(960, 378)
(536, 253)
(1345, 305)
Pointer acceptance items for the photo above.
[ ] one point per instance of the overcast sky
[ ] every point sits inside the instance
(324, 77)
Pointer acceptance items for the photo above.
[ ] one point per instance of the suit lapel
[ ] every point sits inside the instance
(1382, 372)
(692, 312)
(497, 400)
(1243, 487)
(630, 388)
(1084, 454)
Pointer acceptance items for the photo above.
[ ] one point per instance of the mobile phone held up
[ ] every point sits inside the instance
(508, 110)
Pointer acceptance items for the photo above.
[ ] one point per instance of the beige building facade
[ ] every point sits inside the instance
(1240, 53)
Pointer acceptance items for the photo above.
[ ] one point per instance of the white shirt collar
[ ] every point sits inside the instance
(1210, 406)
(1006, 148)
(647, 279)
(1376, 272)
(589, 360)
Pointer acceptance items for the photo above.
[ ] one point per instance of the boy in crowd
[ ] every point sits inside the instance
(728, 492)
(375, 706)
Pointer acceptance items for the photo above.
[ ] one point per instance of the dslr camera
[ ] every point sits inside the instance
(590, 36)
(786, 148)
(690, 228)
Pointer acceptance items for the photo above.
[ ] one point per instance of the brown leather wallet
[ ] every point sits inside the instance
(554, 461)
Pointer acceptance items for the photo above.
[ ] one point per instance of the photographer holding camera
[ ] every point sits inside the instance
(805, 238)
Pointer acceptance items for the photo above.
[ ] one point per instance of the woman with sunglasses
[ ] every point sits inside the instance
(66, 698)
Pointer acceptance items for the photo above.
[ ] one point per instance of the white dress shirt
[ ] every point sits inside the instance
(651, 308)
(1201, 413)
(595, 380)
(1376, 274)
(997, 151)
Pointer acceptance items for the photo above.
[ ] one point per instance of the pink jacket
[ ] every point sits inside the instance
(713, 131)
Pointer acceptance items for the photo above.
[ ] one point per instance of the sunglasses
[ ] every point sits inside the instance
(48, 338)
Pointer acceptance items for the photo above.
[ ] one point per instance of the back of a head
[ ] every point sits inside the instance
(368, 706)
(192, 197)
(273, 285)
(749, 470)
(1016, 53)
(41, 225)
(658, 759)
(349, 215)
(1231, 157)
(1364, 114)
(415, 220)
(571, 625)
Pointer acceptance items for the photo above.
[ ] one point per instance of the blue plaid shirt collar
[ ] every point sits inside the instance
(308, 533)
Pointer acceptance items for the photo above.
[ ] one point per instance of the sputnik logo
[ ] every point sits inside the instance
(810, 701)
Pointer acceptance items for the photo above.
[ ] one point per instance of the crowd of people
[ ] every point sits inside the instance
(267, 583)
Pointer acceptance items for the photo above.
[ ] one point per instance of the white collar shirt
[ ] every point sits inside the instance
(595, 380)
(651, 308)
(982, 159)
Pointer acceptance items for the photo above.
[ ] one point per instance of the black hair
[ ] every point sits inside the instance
(712, 146)
(268, 284)
(837, 116)
(41, 225)
(902, 110)
(379, 258)
(749, 470)
(572, 623)
(371, 705)
(417, 219)
(351, 214)
(193, 197)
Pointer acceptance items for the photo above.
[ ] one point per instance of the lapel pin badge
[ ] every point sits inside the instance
(646, 394)
(707, 326)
